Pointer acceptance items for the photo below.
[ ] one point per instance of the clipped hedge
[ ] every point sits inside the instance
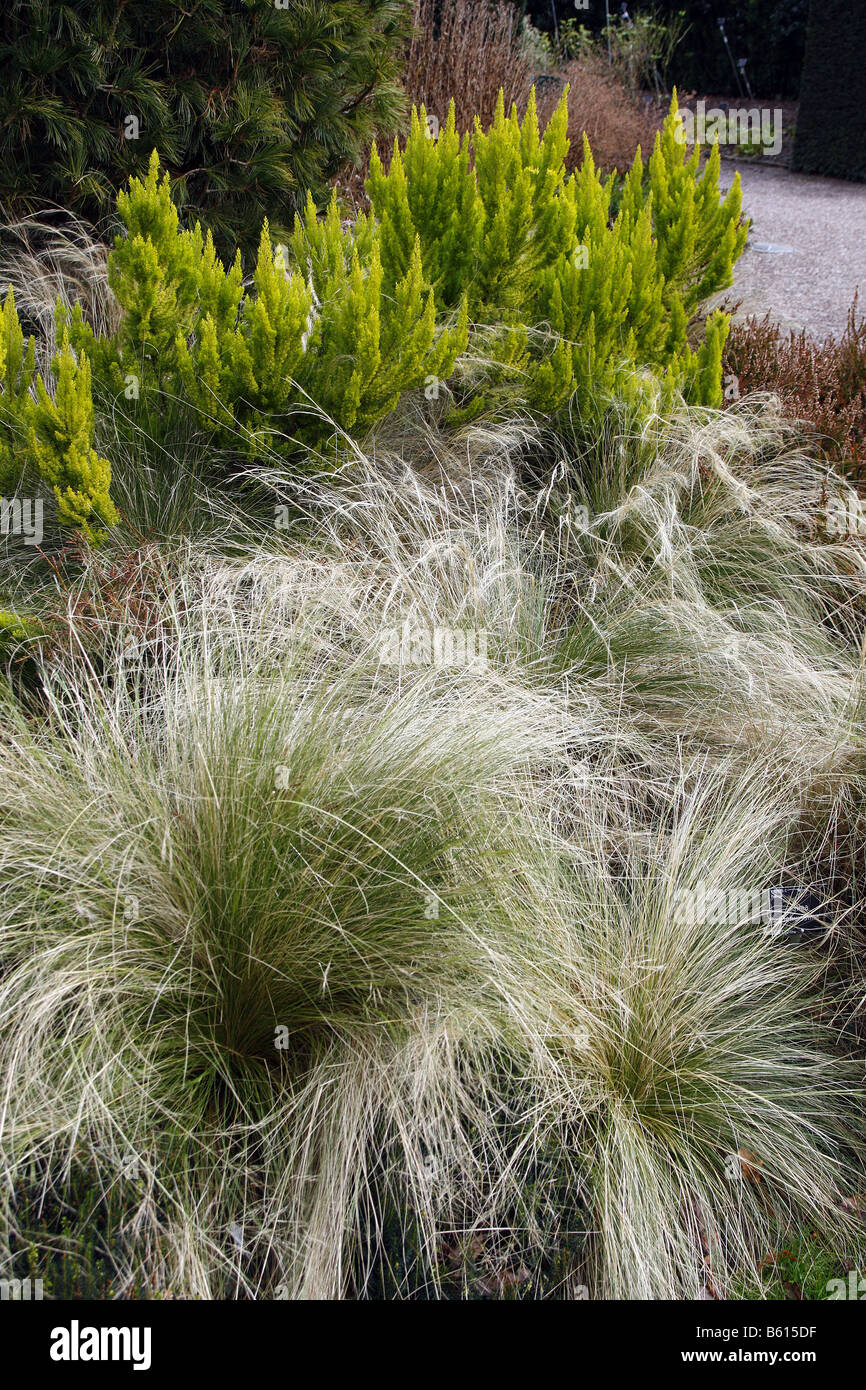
(831, 127)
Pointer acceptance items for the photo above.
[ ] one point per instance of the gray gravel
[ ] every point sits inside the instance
(822, 223)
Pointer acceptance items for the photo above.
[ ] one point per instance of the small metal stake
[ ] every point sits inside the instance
(741, 64)
(721, 24)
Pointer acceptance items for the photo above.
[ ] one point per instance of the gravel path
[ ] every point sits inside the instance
(822, 224)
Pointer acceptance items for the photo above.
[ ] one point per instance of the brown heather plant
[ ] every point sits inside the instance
(821, 384)
(600, 105)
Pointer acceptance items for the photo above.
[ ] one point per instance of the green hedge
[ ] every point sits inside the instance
(831, 128)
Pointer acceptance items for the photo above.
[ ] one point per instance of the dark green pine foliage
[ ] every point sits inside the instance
(250, 103)
(831, 126)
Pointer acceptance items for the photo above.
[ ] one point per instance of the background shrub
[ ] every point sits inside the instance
(249, 104)
(601, 107)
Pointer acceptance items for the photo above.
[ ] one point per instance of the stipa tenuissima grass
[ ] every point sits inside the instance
(328, 942)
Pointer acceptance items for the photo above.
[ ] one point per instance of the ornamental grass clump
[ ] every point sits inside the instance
(373, 964)
(263, 925)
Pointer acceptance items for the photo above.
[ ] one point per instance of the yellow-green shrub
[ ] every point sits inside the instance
(51, 436)
(313, 326)
(348, 318)
(500, 222)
